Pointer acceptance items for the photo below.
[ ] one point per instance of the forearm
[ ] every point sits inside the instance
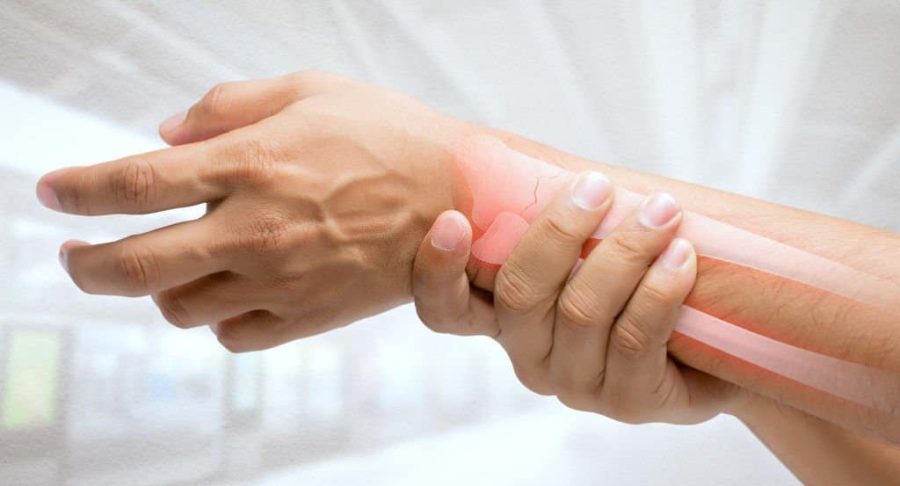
(863, 247)
(818, 452)
(787, 311)
(803, 442)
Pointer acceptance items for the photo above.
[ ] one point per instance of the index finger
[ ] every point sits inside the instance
(145, 183)
(528, 283)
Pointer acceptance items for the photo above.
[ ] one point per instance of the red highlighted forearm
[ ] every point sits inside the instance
(509, 189)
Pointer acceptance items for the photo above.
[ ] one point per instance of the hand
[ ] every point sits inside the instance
(318, 189)
(596, 340)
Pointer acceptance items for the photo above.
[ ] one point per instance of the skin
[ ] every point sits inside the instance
(313, 178)
(651, 386)
(313, 190)
(596, 339)
(505, 211)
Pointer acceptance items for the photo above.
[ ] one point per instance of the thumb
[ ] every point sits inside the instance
(440, 284)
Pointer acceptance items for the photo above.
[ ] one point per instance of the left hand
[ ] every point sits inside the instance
(596, 340)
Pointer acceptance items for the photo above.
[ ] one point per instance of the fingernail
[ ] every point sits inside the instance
(677, 254)
(172, 122)
(46, 195)
(64, 258)
(447, 234)
(658, 209)
(66, 248)
(591, 191)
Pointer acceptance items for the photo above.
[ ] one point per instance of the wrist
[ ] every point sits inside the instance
(433, 185)
(750, 408)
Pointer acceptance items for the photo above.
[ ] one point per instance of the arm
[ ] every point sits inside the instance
(321, 189)
(648, 386)
(818, 452)
(838, 356)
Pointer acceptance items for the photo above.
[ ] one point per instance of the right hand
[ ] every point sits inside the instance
(598, 339)
(319, 189)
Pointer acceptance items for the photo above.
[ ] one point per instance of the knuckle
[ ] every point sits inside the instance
(627, 410)
(138, 269)
(581, 388)
(431, 320)
(310, 81)
(265, 233)
(512, 291)
(576, 401)
(575, 311)
(654, 295)
(626, 416)
(629, 337)
(230, 339)
(307, 76)
(440, 327)
(630, 248)
(566, 386)
(256, 163)
(217, 100)
(172, 309)
(135, 183)
(533, 379)
(562, 229)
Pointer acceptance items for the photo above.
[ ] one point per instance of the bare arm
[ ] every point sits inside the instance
(787, 311)
(596, 337)
(819, 452)
(323, 187)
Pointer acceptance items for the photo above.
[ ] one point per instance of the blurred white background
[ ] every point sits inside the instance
(796, 102)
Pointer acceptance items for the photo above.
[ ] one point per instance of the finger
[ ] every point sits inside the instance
(497, 243)
(210, 299)
(232, 105)
(440, 284)
(482, 275)
(601, 287)
(527, 284)
(252, 331)
(637, 362)
(146, 183)
(263, 329)
(143, 264)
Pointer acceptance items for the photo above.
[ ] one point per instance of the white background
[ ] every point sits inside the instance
(795, 102)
